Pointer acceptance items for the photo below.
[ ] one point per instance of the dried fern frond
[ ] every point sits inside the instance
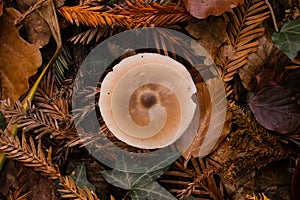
(28, 154)
(261, 196)
(197, 179)
(49, 99)
(94, 16)
(34, 121)
(17, 194)
(155, 14)
(92, 34)
(73, 191)
(243, 30)
(134, 14)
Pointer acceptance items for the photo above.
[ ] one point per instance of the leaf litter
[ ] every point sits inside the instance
(251, 137)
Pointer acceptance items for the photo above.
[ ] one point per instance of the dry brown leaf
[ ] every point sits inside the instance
(36, 28)
(208, 116)
(203, 8)
(19, 59)
(205, 115)
(211, 33)
(267, 56)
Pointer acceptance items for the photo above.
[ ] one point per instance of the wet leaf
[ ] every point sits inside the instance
(288, 39)
(277, 109)
(80, 178)
(19, 59)
(203, 8)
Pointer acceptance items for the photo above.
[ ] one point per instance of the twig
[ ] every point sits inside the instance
(29, 11)
(273, 16)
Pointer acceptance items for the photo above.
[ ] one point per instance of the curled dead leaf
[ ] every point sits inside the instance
(203, 8)
(19, 59)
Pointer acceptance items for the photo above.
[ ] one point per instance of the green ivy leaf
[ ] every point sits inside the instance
(140, 185)
(79, 177)
(150, 191)
(288, 39)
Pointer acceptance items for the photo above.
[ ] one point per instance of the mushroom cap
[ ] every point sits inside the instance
(147, 100)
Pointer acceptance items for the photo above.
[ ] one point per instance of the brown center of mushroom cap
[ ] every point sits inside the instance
(148, 99)
(148, 95)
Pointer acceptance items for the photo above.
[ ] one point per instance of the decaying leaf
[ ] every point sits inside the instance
(19, 59)
(266, 57)
(288, 39)
(276, 108)
(203, 8)
(213, 125)
(244, 28)
(295, 183)
(210, 33)
(36, 28)
(1, 8)
(292, 79)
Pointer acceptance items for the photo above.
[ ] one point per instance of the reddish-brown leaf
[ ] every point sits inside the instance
(203, 8)
(277, 109)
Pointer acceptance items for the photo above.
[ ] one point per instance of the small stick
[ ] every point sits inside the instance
(273, 16)
(29, 11)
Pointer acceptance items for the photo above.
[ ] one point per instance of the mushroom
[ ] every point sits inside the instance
(147, 100)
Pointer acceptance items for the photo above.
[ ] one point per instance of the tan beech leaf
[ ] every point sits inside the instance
(203, 8)
(19, 59)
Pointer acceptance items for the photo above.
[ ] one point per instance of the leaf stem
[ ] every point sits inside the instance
(29, 97)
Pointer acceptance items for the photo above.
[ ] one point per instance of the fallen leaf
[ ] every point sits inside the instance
(1, 7)
(211, 33)
(19, 59)
(213, 125)
(267, 56)
(80, 178)
(288, 39)
(276, 108)
(140, 185)
(203, 8)
(35, 27)
(8, 177)
(292, 79)
(295, 182)
(265, 79)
